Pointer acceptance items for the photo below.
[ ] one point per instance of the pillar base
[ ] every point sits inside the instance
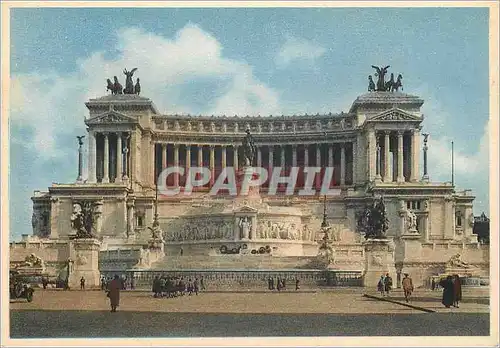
(85, 263)
(379, 259)
(105, 180)
(425, 178)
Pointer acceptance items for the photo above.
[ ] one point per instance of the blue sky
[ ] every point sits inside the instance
(242, 61)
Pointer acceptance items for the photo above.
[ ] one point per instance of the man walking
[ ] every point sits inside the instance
(114, 293)
(82, 283)
(407, 287)
(388, 283)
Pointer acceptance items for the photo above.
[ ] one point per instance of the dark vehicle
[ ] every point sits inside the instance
(19, 286)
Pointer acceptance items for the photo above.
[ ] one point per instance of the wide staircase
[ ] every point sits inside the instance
(234, 262)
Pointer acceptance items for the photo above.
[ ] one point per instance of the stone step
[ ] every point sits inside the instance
(232, 262)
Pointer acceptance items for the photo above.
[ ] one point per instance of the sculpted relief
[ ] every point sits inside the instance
(200, 230)
(283, 230)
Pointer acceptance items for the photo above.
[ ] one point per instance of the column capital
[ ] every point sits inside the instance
(400, 133)
(387, 132)
(105, 133)
(342, 145)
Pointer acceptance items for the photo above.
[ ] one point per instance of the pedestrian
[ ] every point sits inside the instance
(82, 283)
(433, 284)
(272, 283)
(132, 283)
(407, 287)
(114, 292)
(447, 285)
(196, 286)
(202, 283)
(156, 285)
(297, 287)
(278, 284)
(182, 251)
(387, 283)
(190, 287)
(44, 282)
(163, 285)
(283, 283)
(381, 285)
(457, 290)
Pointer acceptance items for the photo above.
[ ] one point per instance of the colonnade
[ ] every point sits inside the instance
(217, 157)
(109, 157)
(395, 155)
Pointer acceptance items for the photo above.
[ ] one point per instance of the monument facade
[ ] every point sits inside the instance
(374, 149)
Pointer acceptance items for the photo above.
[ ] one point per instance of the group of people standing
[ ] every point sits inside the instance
(173, 287)
(452, 291)
(124, 281)
(281, 284)
(384, 285)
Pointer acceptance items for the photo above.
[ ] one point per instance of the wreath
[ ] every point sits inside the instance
(253, 251)
(223, 249)
(244, 246)
(262, 250)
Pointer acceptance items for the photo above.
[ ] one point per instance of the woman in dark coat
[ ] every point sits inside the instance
(114, 288)
(457, 290)
(448, 293)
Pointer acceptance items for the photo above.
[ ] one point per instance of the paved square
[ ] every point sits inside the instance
(343, 312)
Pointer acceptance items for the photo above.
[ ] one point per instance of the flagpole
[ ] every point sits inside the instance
(452, 166)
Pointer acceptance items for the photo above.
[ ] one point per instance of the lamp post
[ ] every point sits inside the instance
(426, 175)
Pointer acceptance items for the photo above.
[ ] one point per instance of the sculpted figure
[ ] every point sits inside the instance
(249, 149)
(137, 87)
(117, 87)
(397, 84)
(411, 220)
(371, 84)
(245, 226)
(381, 77)
(212, 127)
(456, 261)
(129, 84)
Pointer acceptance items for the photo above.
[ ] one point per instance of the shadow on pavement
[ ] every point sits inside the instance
(94, 324)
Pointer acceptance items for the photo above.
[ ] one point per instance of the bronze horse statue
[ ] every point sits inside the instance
(397, 84)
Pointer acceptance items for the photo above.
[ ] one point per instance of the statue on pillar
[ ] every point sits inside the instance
(411, 220)
(381, 77)
(81, 220)
(79, 178)
(245, 226)
(373, 220)
(249, 149)
(129, 84)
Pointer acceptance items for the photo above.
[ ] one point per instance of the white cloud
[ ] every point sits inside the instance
(298, 49)
(470, 155)
(51, 104)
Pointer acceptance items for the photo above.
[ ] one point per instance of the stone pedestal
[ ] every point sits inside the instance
(84, 262)
(379, 259)
(156, 249)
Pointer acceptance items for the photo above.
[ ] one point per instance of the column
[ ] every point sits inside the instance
(176, 164)
(212, 164)
(379, 162)
(342, 164)
(372, 154)
(330, 155)
(354, 162)
(259, 157)
(400, 177)
(119, 158)
(415, 141)
(125, 157)
(387, 154)
(253, 230)
(235, 157)
(105, 178)
(306, 155)
(271, 157)
(318, 164)
(224, 157)
(294, 155)
(79, 178)
(163, 156)
(92, 158)
(426, 175)
(188, 158)
(200, 155)
(282, 159)
(152, 162)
